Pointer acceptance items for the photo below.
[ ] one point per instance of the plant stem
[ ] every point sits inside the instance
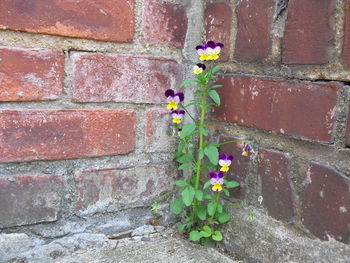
(188, 113)
(217, 202)
(222, 143)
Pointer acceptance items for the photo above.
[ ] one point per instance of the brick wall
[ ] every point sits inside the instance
(286, 87)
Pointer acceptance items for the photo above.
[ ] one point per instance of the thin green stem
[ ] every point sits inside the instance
(222, 143)
(217, 202)
(169, 193)
(188, 113)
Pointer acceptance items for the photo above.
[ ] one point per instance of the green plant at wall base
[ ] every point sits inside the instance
(200, 202)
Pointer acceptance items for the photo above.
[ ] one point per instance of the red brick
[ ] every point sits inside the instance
(30, 135)
(253, 41)
(326, 206)
(308, 35)
(239, 168)
(122, 186)
(158, 132)
(27, 74)
(120, 78)
(29, 199)
(304, 109)
(218, 17)
(347, 136)
(164, 23)
(276, 189)
(346, 46)
(109, 20)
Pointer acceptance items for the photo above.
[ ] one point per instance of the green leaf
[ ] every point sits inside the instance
(195, 235)
(184, 166)
(231, 184)
(201, 154)
(187, 81)
(203, 130)
(208, 197)
(181, 183)
(215, 69)
(215, 96)
(217, 236)
(224, 217)
(226, 192)
(211, 208)
(177, 206)
(212, 153)
(199, 195)
(188, 195)
(219, 209)
(202, 213)
(216, 86)
(206, 185)
(206, 232)
(181, 228)
(187, 130)
(185, 158)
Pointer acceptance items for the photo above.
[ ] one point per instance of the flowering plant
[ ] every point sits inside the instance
(200, 205)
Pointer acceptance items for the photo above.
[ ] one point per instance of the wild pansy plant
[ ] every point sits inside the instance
(200, 199)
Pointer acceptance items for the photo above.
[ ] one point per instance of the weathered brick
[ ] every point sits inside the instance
(253, 39)
(164, 23)
(308, 35)
(29, 199)
(275, 185)
(27, 74)
(62, 134)
(120, 78)
(346, 46)
(239, 168)
(326, 206)
(109, 20)
(279, 106)
(218, 17)
(122, 186)
(158, 132)
(347, 136)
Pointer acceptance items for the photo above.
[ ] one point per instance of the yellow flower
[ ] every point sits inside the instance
(172, 105)
(197, 70)
(225, 168)
(217, 187)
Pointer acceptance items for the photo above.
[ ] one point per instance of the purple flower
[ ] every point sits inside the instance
(173, 98)
(216, 180)
(247, 149)
(209, 51)
(225, 162)
(199, 68)
(177, 116)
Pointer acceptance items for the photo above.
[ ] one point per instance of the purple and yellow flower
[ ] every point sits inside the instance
(225, 162)
(199, 68)
(177, 116)
(216, 180)
(173, 99)
(247, 149)
(209, 51)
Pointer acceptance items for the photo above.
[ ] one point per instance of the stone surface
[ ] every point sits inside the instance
(27, 74)
(121, 186)
(347, 136)
(239, 168)
(29, 199)
(217, 19)
(264, 240)
(109, 20)
(276, 190)
(164, 23)
(121, 78)
(158, 132)
(13, 244)
(143, 230)
(326, 207)
(346, 46)
(280, 106)
(308, 35)
(29, 135)
(253, 39)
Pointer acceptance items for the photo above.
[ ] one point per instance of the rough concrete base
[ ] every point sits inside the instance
(266, 240)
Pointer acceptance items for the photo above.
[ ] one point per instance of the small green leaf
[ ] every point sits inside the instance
(188, 195)
(215, 96)
(224, 217)
(201, 154)
(185, 158)
(184, 166)
(231, 184)
(216, 86)
(199, 195)
(219, 208)
(187, 130)
(206, 232)
(215, 69)
(203, 130)
(181, 183)
(217, 236)
(177, 206)
(187, 81)
(208, 197)
(206, 185)
(226, 192)
(212, 153)
(181, 228)
(211, 208)
(202, 213)
(195, 235)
